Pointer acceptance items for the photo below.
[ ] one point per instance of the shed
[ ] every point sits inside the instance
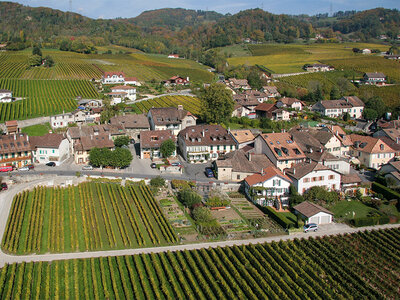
(313, 213)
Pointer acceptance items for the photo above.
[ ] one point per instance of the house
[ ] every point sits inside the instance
(328, 140)
(177, 80)
(323, 157)
(205, 142)
(351, 183)
(62, 120)
(318, 68)
(12, 127)
(245, 106)
(394, 57)
(90, 103)
(173, 56)
(366, 51)
(50, 147)
(5, 96)
(132, 81)
(238, 84)
(242, 137)
(113, 77)
(270, 187)
(15, 150)
(271, 91)
(133, 124)
(280, 148)
(125, 91)
(306, 175)
(390, 167)
(342, 136)
(237, 165)
(170, 118)
(374, 78)
(292, 103)
(84, 144)
(337, 108)
(79, 116)
(270, 111)
(259, 96)
(313, 213)
(371, 152)
(151, 141)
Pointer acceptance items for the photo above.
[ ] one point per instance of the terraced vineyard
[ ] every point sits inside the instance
(189, 103)
(43, 97)
(90, 216)
(359, 266)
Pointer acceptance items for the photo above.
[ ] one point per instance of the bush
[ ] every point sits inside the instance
(216, 201)
(202, 214)
(189, 198)
(369, 221)
(181, 184)
(388, 193)
(280, 219)
(157, 182)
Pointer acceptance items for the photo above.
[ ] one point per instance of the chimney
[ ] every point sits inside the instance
(311, 150)
(91, 136)
(337, 132)
(109, 136)
(249, 156)
(262, 171)
(294, 171)
(27, 138)
(397, 140)
(15, 137)
(202, 132)
(187, 136)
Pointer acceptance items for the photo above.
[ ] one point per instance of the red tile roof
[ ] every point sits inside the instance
(154, 138)
(118, 73)
(206, 135)
(268, 173)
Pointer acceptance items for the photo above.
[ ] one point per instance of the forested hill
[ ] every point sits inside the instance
(371, 23)
(187, 32)
(174, 18)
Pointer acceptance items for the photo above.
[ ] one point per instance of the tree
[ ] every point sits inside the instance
(48, 61)
(202, 214)
(335, 94)
(36, 51)
(121, 141)
(346, 117)
(317, 193)
(99, 157)
(376, 104)
(157, 182)
(120, 158)
(167, 148)
(254, 80)
(34, 60)
(189, 198)
(370, 114)
(217, 104)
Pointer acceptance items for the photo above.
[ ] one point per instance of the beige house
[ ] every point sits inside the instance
(237, 165)
(151, 141)
(343, 137)
(170, 118)
(371, 152)
(133, 124)
(280, 148)
(242, 137)
(328, 140)
(83, 146)
(292, 103)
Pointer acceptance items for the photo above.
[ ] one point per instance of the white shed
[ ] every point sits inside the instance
(313, 213)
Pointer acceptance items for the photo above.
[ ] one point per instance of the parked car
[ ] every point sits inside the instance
(153, 165)
(88, 167)
(310, 227)
(31, 167)
(23, 168)
(176, 164)
(209, 172)
(4, 186)
(51, 164)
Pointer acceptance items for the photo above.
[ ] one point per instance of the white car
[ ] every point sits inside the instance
(310, 227)
(23, 169)
(88, 167)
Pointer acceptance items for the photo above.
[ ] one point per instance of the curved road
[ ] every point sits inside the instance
(5, 206)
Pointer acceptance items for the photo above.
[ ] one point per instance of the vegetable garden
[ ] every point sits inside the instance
(43, 97)
(191, 104)
(363, 265)
(90, 216)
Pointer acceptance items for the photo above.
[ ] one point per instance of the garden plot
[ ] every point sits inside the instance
(231, 221)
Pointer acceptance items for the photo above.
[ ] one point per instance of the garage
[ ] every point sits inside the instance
(313, 213)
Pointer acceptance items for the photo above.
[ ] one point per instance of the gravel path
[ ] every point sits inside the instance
(5, 205)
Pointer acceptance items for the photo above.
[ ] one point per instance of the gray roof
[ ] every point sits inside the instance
(310, 209)
(375, 75)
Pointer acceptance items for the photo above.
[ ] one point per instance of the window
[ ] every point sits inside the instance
(314, 179)
(330, 177)
(381, 146)
(238, 177)
(321, 178)
(306, 180)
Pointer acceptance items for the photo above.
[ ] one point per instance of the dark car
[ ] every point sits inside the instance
(209, 172)
(51, 164)
(153, 165)
(4, 186)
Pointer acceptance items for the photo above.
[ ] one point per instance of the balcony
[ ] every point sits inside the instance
(18, 158)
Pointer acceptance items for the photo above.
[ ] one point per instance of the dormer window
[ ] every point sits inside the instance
(381, 146)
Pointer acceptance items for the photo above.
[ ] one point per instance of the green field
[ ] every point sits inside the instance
(90, 216)
(362, 265)
(69, 65)
(291, 58)
(191, 104)
(37, 130)
(43, 97)
(346, 209)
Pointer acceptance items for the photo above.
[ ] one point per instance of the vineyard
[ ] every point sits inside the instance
(189, 103)
(90, 216)
(363, 265)
(43, 97)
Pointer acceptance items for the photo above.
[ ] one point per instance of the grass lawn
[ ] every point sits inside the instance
(37, 130)
(290, 216)
(345, 209)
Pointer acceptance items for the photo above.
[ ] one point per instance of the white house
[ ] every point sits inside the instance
(51, 147)
(5, 96)
(133, 81)
(337, 108)
(62, 120)
(307, 175)
(173, 56)
(313, 213)
(124, 91)
(268, 188)
(366, 51)
(113, 77)
(290, 103)
(170, 118)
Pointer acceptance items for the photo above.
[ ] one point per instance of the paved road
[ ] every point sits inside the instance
(186, 92)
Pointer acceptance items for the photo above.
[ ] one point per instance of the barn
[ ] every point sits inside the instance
(313, 213)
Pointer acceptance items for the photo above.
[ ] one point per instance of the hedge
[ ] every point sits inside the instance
(369, 221)
(280, 219)
(388, 193)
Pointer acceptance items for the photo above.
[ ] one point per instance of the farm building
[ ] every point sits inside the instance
(5, 96)
(177, 80)
(374, 78)
(313, 213)
(318, 68)
(113, 77)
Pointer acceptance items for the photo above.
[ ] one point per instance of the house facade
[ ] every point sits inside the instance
(151, 141)
(170, 118)
(280, 148)
(51, 147)
(337, 108)
(15, 150)
(205, 142)
(133, 124)
(307, 175)
(292, 103)
(5, 96)
(319, 68)
(272, 112)
(374, 78)
(313, 213)
(268, 188)
(113, 77)
(124, 91)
